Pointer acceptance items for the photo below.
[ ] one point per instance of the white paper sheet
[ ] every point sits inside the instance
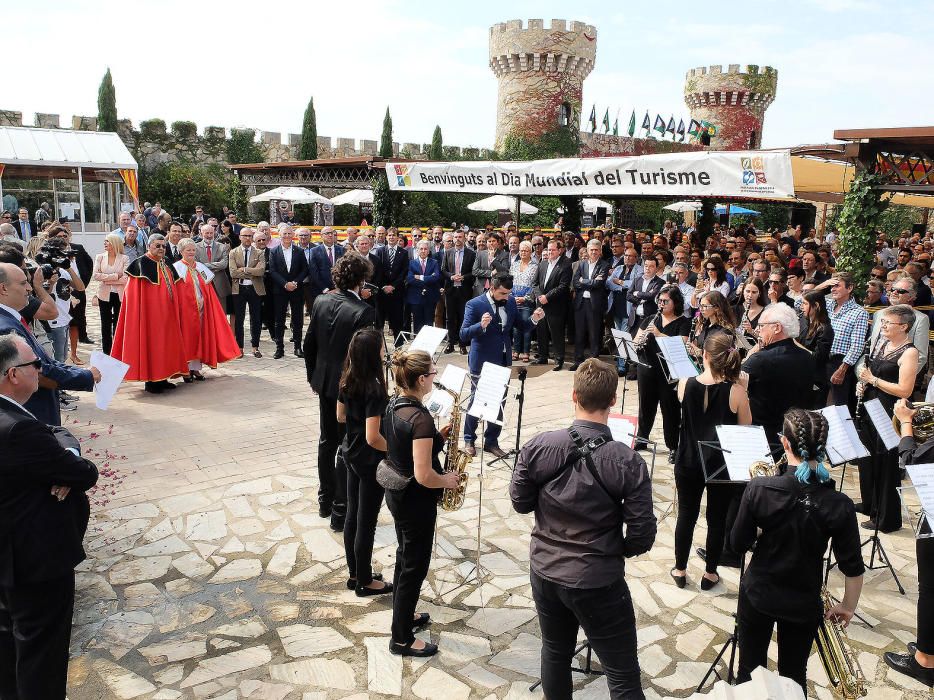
(742, 445)
(453, 378)
(488, 395)
(624, 349)
(112, 374)
(676, 355)
(882, 422)
(429, 338)
(439, 403)
(843, 443)
(623, 428)
(922, 478)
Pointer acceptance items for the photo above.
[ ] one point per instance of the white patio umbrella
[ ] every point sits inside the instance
(684, 206)
(501, 201)
(295, 195)
(356, 197)
(590, 204)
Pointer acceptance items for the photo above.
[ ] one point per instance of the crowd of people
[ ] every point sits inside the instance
(777, 331)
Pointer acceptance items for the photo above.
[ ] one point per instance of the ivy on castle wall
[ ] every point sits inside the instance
(858, 221)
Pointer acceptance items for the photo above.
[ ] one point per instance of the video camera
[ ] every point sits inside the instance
(54, 255)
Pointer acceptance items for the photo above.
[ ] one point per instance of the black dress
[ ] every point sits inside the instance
(654, 388)
(879, 473)
(703, 408)
(819, 344)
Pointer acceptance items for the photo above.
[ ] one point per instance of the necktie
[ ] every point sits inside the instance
(246, 257)
(457, 262)
(423, 268)
(331, 256)
(392, 254)
(25, 323)
(209, 253)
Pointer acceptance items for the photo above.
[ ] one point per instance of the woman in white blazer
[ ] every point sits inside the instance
(110, 271)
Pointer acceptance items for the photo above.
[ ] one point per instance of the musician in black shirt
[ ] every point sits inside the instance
(798, 514)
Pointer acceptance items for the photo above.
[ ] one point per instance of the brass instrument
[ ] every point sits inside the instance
(455, 460)
(922, 423)
(837, 657)
(762, 468)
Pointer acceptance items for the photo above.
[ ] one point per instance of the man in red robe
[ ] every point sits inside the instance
(148, 336)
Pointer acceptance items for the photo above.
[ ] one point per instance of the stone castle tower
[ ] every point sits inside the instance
(734, 102)
(541, 74)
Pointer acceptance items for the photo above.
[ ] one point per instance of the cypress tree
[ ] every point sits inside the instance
(436, 151)
(308, 150)
(106, 104)
(385, 142)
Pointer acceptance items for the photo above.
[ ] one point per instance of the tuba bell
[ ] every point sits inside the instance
(922, 423)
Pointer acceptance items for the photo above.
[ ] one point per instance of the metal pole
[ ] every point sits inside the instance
(81, 203)
(518, 207)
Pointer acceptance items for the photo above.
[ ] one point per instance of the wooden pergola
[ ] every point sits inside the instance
(904, 156)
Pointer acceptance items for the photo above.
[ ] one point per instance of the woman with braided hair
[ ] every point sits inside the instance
(798, 513)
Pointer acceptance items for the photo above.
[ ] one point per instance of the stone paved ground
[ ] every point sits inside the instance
(210, 574)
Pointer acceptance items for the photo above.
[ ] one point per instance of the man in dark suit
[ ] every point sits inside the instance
(642, 293)
(307, 248)
(590, 303)
(288, 269)
(44, 403)
(553, 293)
(494, 260)
(364, 245)
(197, 220)
(488, 323)
(334, 319)
(394, 266)
(457, 273)
(323, 258)
(43, 518)
(172, 253)
(24, 229)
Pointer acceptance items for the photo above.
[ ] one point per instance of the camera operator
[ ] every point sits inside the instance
(54, 261)
(41, 305)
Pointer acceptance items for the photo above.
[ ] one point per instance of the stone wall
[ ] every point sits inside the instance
(596, 145)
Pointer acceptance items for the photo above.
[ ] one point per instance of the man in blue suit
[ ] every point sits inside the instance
(323, 258)
(44, 404)
(423, 286)
(487, 328)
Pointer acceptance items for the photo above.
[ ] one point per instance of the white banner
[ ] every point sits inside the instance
(754, 174)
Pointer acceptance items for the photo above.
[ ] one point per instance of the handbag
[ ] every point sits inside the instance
(388, 476)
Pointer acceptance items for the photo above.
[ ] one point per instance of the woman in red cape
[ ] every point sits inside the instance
(206, 335)
(148, 337)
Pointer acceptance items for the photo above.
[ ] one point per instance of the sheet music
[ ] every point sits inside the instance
(453, 378)
(922, 478)
(843, 443)
(676, 355)
(488, 395)
(882, 422)
(439, 403)
(623, 428)
(112, 374)
(429, 338)
(623, 340)
(742, 445)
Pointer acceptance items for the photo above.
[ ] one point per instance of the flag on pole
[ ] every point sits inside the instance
(659, 125)
(632, 123)
(694, 128)
(593, 119)
(681, 130)
(616, 126)
(646, 124)
(671, 126)
(606, 121)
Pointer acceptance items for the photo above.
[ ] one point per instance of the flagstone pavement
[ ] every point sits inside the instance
(210, 574)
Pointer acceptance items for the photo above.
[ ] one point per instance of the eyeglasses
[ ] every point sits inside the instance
(886, 322)
(430, 374)
(158, 245)
(877, 277)
(35, 364)
(711, 269)
(664, 301)
(897, 290)
(706, 307)
(775, 282)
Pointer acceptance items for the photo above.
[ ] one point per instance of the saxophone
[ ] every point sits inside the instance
(837, 657)
(455, 460)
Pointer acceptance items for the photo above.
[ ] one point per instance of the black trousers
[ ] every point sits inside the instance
(248, 298)
(422, 315)
(607, 616)
(879, 479)
(35, 631)
(455, 301)
(294, 301)
(655, 391)
(924, 549)
(588, 332)
(267, 311)
(110, 313)
(415, 510)
(552, 331)
(364, 498)
(842, 394)
(690, 488)
(754, 634)
(390, 308)
(332, 477)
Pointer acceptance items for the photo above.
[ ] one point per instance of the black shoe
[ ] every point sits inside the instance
(497, 451)
(871, 525)
(573, 368)
(67, 398)
(298, 352)
(620, 373)
(903, 663)
(352, 582)
(337, 524)
(706, 584)
(292, 340)
(197, 376)
(860, 508)
(154, 387)
(541, 361)
(67, 407)
(702, 553)
(558, 367)
(449, 349)
(324, 511)
(407, 650)
(421, 620)
(280, 353)
(366, 592)
(188, 379)
(463, 350)
(167, 384)
(680, 581)
(86, 340)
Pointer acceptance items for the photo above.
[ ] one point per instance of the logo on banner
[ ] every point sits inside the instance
(402, 175)
(753, 171)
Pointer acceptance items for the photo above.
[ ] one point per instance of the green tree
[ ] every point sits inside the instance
(242, 147)
(863, 207)
(382, 200)
(308, 150)
(436, 152)
(385, 141)
(180, 186)
(106, 104)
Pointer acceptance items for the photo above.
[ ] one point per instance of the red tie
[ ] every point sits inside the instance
(331, 256)
(423, 268)
(25, 324)
(209, 253)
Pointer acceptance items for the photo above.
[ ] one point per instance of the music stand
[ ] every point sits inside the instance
(731, 644)
(520, 372)
(917, 516)
(587, 670)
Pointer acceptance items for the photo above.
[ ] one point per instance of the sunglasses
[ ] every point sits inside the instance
(896, 290)
(35, 364)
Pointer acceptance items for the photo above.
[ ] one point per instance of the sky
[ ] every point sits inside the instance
(841, 63)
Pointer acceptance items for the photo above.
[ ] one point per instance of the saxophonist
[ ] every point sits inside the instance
(583, 488)
(413, 445)
(799, 513)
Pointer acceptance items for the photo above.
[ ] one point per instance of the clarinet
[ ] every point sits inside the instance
(860, 384)
(643, 337)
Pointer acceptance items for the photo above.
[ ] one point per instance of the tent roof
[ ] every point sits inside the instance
(822, 181)
(63, 148)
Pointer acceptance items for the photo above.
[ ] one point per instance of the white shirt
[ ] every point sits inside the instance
(246, 263)
(19, 405)
(287, 254)
(501, 310)
(10, 310)
(63, 306)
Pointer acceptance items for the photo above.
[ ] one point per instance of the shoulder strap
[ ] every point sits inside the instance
(584, 450)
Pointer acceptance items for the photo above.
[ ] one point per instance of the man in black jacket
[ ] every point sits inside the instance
(335, 317)
(552, 291)
(43, 517)
(457, 273)
(288, 268)
(590, 302)
(394, 264)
